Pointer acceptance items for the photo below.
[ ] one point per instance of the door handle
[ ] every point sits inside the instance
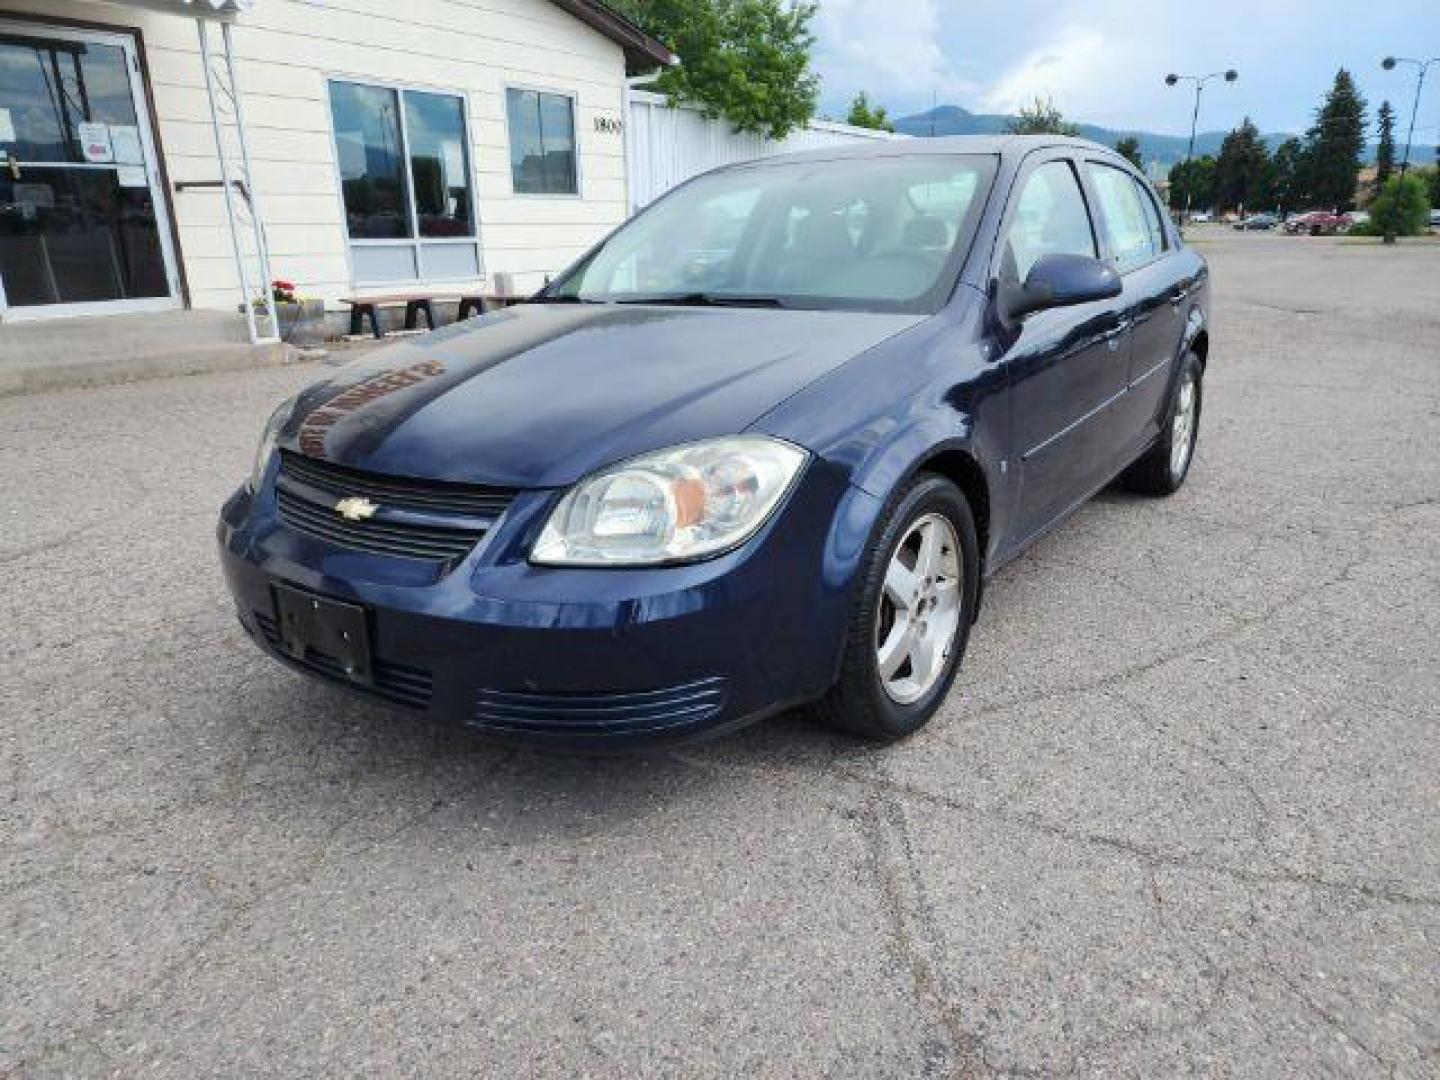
(13, 164)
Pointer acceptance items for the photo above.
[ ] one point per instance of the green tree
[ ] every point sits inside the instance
(1334, 144)
(1287, 176)
(1385, 151)
(1129, 149)
(1401, 209)
(1041, 118)
(745, 60)
(1242, 171)
(1192, 184)
(862, 114)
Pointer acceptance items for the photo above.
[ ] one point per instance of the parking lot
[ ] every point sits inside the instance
(1181, 813)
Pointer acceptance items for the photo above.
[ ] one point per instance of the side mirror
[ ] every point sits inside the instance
(1058, 281)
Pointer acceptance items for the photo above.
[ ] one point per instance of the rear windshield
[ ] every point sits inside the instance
(883, 233)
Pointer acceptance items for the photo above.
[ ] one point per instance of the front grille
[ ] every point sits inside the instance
(438, 520)
(648, 711)
(400, 683)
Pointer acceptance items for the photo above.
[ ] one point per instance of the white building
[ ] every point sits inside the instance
(393, 146)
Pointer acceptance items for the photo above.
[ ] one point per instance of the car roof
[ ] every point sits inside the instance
(1004, 146)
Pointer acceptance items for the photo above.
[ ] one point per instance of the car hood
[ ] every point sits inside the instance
(538, 395)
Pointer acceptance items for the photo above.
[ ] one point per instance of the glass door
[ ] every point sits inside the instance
(82, 214)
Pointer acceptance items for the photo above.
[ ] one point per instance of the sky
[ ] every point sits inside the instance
(1104, 61)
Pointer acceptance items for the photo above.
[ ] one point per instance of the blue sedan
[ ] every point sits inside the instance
(759, 448)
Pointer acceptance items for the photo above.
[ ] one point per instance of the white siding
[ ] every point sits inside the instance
(287, 49)
(669, 145)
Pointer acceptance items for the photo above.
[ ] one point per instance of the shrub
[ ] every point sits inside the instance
(1401, 209)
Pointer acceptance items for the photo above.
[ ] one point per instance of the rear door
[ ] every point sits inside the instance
(1139, 246)
(1066, 366)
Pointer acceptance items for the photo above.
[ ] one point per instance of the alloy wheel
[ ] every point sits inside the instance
(919, 609)
(1182, 427)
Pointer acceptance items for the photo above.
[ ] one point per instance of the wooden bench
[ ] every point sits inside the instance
(368, 307)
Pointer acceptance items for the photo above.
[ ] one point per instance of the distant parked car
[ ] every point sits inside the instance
(1201, 217)
(1318, 223)
(1435, 219)
(1359, 217)
(1258, 221)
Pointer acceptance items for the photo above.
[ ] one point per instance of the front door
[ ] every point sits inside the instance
(1067, 366)
(82, 213)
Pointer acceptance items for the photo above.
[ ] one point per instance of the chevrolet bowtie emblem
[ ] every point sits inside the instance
(355, 508)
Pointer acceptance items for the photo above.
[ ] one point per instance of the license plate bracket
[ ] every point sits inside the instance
(316, 629)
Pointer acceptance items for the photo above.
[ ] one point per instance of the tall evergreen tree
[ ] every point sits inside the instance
(1385, 152)
(1334, 145)
(1129, 149)
(1287, 177)
(1192, 183)
(1242, 171)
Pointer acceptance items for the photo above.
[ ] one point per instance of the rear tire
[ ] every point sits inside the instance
(911, 616)
(1162, 469)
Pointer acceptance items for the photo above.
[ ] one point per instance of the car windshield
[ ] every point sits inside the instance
(884, 233)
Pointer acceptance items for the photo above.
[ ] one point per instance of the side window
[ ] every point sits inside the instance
(1049, 219)
(1152, 218)
(1122, 217)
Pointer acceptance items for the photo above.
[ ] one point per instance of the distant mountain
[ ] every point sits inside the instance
(1163, 150)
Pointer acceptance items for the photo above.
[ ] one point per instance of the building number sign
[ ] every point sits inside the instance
(609, 125)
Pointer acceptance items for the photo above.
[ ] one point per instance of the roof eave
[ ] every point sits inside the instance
(642, 52)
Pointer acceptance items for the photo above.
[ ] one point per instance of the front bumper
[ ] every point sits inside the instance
(568, 657)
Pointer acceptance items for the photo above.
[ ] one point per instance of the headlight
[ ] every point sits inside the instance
(268, 435)
(674, 505)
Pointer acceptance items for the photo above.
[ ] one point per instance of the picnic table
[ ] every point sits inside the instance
(368, 307)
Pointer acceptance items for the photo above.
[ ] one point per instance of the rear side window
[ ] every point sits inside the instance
(1152, 217)
(1050, 219)
(1122, 215)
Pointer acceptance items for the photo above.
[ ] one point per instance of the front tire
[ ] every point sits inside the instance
(1162, 469)
(912, 614)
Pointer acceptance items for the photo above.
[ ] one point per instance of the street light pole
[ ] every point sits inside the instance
(1229, 75)
(1389, 64)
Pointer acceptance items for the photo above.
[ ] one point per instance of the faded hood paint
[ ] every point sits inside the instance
(539, 395)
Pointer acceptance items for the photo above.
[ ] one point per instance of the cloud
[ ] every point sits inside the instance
(1086, 72)
(892, 50)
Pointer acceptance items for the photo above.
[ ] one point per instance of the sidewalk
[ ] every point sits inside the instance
(53, 354)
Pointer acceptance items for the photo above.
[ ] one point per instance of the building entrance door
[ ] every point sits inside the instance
(83, 228)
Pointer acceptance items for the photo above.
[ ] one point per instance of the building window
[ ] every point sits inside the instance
(405, 178)
(542, 142)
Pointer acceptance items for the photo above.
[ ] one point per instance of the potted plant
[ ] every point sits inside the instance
(301, 320)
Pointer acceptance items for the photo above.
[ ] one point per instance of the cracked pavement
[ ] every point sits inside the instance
(1181, 814)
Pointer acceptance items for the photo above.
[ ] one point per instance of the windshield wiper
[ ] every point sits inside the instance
(705, 299)
(562, 300)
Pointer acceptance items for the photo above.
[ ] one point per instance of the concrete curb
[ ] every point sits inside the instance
(27, 377)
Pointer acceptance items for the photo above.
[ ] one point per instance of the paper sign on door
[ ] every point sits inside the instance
(95, 142)
(7, 127)
(132, 176)
(125, 144)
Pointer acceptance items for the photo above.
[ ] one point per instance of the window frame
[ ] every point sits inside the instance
(415, 241)
(1027, 168)
(1166, 245)
(574, 99)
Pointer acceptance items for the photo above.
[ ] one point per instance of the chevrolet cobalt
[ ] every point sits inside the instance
(758, 448)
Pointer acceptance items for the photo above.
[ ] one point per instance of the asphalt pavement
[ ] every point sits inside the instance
(1181, 814)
